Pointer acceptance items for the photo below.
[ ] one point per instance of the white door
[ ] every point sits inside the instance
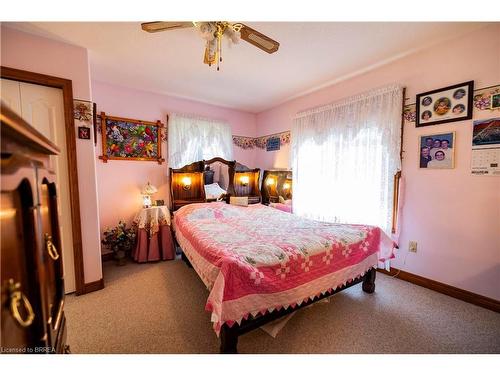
(11, 94)
(43, 108)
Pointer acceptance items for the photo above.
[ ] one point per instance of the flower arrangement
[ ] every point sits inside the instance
(120, 240)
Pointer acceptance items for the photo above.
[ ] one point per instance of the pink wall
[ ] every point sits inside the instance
(41, 55)
(454, 216)
(120, 182)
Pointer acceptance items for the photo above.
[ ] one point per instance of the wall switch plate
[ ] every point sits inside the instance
(412, 247)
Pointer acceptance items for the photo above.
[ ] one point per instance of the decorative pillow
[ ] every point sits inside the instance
(213, 191)
(239, 201)
(282, 207)
(282, 200)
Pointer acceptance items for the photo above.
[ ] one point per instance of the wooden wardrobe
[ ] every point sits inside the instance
(32, 283)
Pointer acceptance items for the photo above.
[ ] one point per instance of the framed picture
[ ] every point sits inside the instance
(129, 139)
(273, 144)
(495, 101)
(452, 103)
(437, 151)
(83, 132)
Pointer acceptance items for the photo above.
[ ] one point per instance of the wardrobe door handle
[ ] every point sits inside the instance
(51, 249)
(16, 299)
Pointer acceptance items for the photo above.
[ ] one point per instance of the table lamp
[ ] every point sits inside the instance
(147, 191)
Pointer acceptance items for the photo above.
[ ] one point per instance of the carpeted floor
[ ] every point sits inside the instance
(159, 308)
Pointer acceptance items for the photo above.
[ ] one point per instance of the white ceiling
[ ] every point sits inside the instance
(311, 55)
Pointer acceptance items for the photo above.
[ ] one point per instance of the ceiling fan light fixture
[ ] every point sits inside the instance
(233, 35)
(263, 42)
(213, 32)
(206, 30)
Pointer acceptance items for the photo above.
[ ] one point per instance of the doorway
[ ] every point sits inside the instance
(46, 102)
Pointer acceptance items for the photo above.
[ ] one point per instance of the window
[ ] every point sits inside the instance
(345, 156)
(192, 139)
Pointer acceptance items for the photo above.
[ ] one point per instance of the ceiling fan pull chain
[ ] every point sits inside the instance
(220, 46)
(220, 31)
(207, 53)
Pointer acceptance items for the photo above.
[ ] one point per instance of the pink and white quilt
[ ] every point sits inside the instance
(257, 259)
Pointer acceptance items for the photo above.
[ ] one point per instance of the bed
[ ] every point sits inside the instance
(261, 264)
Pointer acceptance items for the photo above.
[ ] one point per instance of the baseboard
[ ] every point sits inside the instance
(107, 256)
(92, 287)
(464, 295)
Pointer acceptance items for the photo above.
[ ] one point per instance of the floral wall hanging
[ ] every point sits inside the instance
(260, 142)
(129, 139)
(243, 142)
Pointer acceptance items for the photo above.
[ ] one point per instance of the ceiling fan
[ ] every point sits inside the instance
(213, 32)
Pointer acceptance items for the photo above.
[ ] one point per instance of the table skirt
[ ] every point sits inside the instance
(159, 247)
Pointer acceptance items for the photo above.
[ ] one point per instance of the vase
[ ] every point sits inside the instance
(121, 257)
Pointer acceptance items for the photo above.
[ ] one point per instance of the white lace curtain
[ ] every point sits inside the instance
(344, 157)
(192, 138)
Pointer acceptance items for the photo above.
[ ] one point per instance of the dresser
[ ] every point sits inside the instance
(32, 283)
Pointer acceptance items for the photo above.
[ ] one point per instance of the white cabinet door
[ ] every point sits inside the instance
(43, 108)
(11, 94)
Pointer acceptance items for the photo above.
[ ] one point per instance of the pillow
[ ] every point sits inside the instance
(282, 207)
(239, 201)
(213, 191)
(282, 200)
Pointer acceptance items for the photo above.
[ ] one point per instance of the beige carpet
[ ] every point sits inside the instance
(159, 308)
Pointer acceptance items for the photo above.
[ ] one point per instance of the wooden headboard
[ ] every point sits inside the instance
(276, 183)
(187, 184)
(246, 183)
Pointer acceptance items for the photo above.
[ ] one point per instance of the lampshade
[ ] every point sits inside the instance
(286, 185)
(245, 180)
(270, 181)
(149, 189)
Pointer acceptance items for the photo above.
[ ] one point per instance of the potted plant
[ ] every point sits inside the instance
(120, 240)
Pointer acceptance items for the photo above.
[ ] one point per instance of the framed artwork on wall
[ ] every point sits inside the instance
(83, 132)
(452, 103)
(129, 139)
(273, 144)
(495, 101)
(437, 151)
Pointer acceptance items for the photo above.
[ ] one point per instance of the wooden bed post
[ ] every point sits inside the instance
(369, 281)
(229, 339)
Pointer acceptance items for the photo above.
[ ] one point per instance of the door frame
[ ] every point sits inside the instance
(67, 89)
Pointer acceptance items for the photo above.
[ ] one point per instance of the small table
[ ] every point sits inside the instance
(154, 237)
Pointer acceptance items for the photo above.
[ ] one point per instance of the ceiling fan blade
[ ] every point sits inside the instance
(154, 27)
(259, 40)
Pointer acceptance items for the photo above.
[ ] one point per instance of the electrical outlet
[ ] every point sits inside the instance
(412, 247)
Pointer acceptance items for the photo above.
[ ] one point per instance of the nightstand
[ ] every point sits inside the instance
(154, 236)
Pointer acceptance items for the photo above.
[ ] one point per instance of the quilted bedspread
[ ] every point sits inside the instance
(257, 259)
